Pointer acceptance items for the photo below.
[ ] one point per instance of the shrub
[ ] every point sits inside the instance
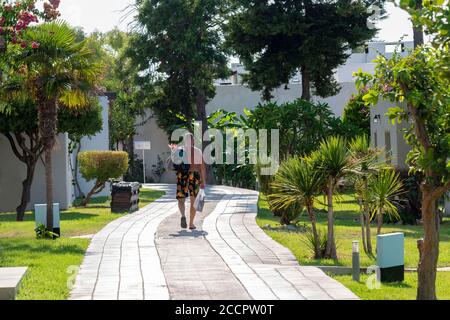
(101, 166)
(289, 215)
(310, 242)
(411, 209)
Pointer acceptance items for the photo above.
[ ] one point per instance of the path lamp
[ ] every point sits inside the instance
(355, 261)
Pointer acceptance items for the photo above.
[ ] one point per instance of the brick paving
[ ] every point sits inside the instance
(145, 256)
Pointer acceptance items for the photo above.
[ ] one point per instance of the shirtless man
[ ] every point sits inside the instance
(190, 179)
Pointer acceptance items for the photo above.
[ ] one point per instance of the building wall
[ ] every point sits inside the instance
(98, 142)
(381, 130)
(12, 173)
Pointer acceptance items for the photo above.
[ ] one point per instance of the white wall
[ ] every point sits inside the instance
(98, 142)
(399, 147)
(12, 173)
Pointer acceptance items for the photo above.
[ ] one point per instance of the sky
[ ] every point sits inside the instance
(104, 15)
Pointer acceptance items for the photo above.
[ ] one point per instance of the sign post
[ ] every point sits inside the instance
(143, 145)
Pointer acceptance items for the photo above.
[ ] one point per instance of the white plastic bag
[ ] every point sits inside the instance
(200, 201)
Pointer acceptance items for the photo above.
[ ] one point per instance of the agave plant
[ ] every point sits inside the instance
(385, 191)
(298, 183)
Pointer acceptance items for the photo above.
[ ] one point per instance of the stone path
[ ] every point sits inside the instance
(145, 255)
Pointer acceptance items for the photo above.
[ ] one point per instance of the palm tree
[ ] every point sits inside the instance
(64, 73)
(298, 183)
(385, 190)
(334, 160)
(365, 159)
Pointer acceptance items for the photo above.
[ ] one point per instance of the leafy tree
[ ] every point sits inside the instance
(277, 39)
(357, 114)
(101, 166)
(178, 55)
(18, 15)
(424, 90)
(334, 160)
(385, 190)
(301, 123)
(60, 72)
(20, 127)
(298, 183)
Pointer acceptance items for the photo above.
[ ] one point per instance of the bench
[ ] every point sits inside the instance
(10, 279)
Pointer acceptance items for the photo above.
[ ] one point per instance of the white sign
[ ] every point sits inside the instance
(142, 145)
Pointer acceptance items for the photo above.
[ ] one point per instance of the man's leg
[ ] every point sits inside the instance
(182, 207)
(193, 213)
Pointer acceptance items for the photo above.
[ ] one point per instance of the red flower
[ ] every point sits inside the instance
(35, 45)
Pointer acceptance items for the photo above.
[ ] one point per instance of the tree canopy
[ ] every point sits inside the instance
(277, 39)
(178, 54)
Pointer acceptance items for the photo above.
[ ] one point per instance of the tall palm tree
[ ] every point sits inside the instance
(385, 190)
(365, 159)
(64, 73)
(334, 160)
(298, 183)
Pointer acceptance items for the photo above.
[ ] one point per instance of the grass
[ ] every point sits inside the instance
(347, 230)
(53, 263)
(395, 291)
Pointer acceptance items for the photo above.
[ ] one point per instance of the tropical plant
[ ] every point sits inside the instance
(63, 72)
(385, 192)
(298, 183)
(334, 160)
(366, 163)
(311, 243)
(301, 124)
(101, 166)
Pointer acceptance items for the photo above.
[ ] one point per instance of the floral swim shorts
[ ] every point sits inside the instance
(188, 184)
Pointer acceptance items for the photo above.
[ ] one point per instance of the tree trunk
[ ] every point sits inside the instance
(330, 252)
(26, 190)
(75, 171)
(363, 226)
(368, 231)
(98, 187)
(418, 32)
(379, 221)
(49, 187)
(48, 117)
(306, 84)
(312, 217)
(202, 118)
(429, 254)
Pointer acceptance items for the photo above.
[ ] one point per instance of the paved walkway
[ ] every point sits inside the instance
(145, 255)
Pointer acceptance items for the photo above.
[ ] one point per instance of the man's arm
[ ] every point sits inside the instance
(203, 173)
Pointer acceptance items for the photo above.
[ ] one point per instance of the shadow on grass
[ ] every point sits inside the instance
(33, 247)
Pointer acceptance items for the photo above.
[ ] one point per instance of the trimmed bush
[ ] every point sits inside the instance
(101, 166)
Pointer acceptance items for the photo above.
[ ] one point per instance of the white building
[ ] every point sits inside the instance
(12, 171)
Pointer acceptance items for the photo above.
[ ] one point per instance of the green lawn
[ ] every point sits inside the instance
(348, 230)
(50, 262)
(396, 291)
